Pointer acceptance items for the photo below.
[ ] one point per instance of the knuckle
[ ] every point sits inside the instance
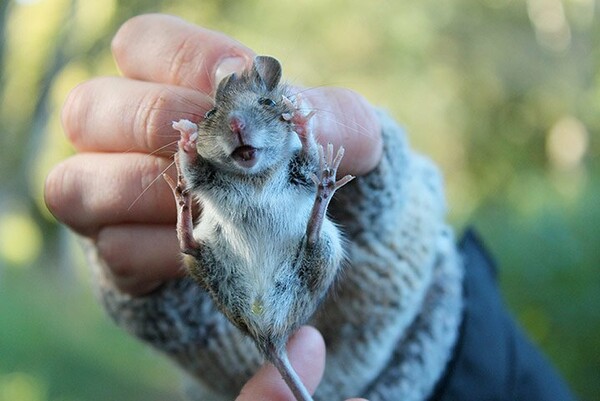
(80, 104)
(74, 112)
(63, 195)
(122, 38)
(186, 53)
(53, 190)
(152, 117)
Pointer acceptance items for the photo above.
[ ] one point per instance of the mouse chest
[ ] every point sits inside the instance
(256, 235)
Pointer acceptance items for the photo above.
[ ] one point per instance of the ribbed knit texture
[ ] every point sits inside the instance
(390, 322)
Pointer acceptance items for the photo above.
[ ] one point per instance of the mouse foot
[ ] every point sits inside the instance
(299, 121)
(185, 223)
(326, 184)
(189, 135)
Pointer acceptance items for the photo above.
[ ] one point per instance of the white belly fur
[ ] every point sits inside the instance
(260, 252)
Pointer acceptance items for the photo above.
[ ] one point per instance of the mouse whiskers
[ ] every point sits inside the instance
(150, 185)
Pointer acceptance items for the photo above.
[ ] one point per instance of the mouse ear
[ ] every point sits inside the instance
(267, 71)
(225, 82)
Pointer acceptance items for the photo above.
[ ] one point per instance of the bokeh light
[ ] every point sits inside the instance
(20, 239)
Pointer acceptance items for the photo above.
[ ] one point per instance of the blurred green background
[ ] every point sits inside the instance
(503, 94)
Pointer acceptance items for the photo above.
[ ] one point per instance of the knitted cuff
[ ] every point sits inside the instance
(421, 356)
(364, 205)
(393, 218)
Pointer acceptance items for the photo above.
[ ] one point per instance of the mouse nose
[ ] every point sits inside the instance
(237, 124)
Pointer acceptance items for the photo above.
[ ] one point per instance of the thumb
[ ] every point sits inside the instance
(306, 351)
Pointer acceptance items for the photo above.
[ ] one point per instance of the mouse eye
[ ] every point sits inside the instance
(210, 113)
(265, 101)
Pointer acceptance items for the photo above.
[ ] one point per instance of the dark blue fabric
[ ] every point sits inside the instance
(493, 359)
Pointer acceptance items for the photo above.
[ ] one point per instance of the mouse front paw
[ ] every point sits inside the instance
(300, 120)
(189, 135)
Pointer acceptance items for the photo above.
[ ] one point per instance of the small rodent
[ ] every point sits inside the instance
(263, 248)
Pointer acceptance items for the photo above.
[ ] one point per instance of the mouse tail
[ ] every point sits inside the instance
(280, 360)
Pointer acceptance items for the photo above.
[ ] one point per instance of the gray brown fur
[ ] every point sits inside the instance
(390, 324)
(263, 254)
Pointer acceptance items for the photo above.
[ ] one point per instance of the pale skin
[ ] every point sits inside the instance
(121, 130)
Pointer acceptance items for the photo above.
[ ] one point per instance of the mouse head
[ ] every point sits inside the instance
(249, 129)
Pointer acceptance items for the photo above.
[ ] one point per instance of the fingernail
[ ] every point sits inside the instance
(229, 65)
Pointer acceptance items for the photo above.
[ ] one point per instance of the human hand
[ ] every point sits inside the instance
(121, 129)
(306, 350)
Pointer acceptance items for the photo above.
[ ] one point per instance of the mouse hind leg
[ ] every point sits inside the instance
(185, 224)
(327, 184)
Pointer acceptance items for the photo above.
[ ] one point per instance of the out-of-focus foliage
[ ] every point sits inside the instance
(503, 94)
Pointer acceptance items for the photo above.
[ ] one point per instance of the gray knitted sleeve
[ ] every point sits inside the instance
(399, 249)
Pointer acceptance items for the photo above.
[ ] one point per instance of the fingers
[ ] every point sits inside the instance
(166, 49)
(140, 257)
(306, 351)
(121, 115)
(121, 201)
(92, 190)
(116, 115)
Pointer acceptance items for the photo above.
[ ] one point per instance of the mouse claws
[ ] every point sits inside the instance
(315, 179)
(189, 134)
(299, 121)
(343, 181)
(329, 166)
(327, 184)
(300, 126)
(287, 102)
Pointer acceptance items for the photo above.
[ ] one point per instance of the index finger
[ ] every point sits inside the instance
(167, 49)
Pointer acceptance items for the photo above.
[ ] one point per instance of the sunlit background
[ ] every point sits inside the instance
(504, 95)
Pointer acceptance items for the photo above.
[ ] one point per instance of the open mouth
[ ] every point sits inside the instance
(245, 156)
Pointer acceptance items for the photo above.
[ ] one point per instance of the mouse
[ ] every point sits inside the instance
(263, 246)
